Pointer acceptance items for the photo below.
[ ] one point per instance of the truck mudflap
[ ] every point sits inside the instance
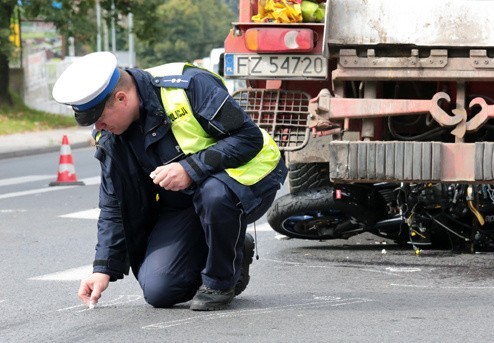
(282, 113)
(375, 161)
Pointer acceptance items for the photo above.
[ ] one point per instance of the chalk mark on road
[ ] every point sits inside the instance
(12, 210)
(323, 302)
(441, 287)
(121, 299)
(378, 271)
(403, 269)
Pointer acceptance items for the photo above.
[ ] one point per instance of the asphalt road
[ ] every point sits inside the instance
(365, 289)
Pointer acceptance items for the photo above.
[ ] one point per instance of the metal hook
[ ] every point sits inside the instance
(480, 118)
(439, 115)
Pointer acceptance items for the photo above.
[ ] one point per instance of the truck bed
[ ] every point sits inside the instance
(419, 23)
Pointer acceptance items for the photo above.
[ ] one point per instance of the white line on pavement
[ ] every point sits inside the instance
(88, 182)
(78, 273)
(24, 179)
(443, 287)
(88, 214)
(94, 214)
(73, 274)
(259, 227)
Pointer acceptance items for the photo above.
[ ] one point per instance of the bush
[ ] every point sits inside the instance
(20, 118)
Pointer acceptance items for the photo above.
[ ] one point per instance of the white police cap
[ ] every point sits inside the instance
(86, 84)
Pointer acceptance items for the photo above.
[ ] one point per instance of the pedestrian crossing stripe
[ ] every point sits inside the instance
(88, 214)
(94, 214)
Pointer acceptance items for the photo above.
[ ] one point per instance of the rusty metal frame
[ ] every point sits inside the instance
(283, 114)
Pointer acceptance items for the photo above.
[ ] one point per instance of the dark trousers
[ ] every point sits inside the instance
(198, 245)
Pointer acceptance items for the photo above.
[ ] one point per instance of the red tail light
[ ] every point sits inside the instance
(337, 193)
(279, 40)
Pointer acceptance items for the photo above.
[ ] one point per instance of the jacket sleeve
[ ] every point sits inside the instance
(111, 253)
(238, 137)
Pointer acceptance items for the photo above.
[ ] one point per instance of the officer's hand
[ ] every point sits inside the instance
(92, 287)
(172, 177)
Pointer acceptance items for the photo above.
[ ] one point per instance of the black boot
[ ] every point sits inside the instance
(244, 279)
(207, 299)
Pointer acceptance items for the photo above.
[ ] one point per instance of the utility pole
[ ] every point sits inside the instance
(98, 26)
(131, 40)
(113, 38)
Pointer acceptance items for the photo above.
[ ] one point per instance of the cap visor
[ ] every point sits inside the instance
(89, 116)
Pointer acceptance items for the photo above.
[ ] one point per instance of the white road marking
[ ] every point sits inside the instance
(89, 182)
(81, 272)
(88, 214)
(259, 227)
(94, 214)
(281, 237)
(73, 274)
(24, 179)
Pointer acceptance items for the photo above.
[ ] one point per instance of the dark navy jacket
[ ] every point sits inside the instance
(128, 197)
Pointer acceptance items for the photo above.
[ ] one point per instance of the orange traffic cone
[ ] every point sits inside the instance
(66, 169)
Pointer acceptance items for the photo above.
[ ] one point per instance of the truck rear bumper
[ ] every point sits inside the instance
(411, 161)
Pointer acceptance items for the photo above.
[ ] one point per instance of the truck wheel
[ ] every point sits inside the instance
(305, 176)
(309, 215)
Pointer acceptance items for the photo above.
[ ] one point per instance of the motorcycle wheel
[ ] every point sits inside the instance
(304, 176)
(309, 215)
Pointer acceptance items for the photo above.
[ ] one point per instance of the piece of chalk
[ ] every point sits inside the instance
(90, 305)
(152, 175)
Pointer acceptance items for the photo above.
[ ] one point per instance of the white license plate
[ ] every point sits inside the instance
(275, 66)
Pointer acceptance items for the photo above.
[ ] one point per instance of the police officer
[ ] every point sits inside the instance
(183, 171)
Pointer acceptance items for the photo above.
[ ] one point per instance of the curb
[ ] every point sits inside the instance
(34, 151)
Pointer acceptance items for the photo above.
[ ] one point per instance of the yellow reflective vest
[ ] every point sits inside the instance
(192, 138)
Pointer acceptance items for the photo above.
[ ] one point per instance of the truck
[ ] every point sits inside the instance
(213, 62)
(383, 112)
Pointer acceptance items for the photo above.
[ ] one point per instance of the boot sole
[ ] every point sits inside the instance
(209, 307)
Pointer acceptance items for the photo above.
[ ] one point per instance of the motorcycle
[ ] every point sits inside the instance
(459, 217)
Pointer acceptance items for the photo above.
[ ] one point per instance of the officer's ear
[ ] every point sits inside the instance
(120, 96)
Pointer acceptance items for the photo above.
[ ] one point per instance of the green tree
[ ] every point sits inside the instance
(74, 18)
(71, 20)
(180, 30)
(165, 30)
(233, 5)
(6, 11)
